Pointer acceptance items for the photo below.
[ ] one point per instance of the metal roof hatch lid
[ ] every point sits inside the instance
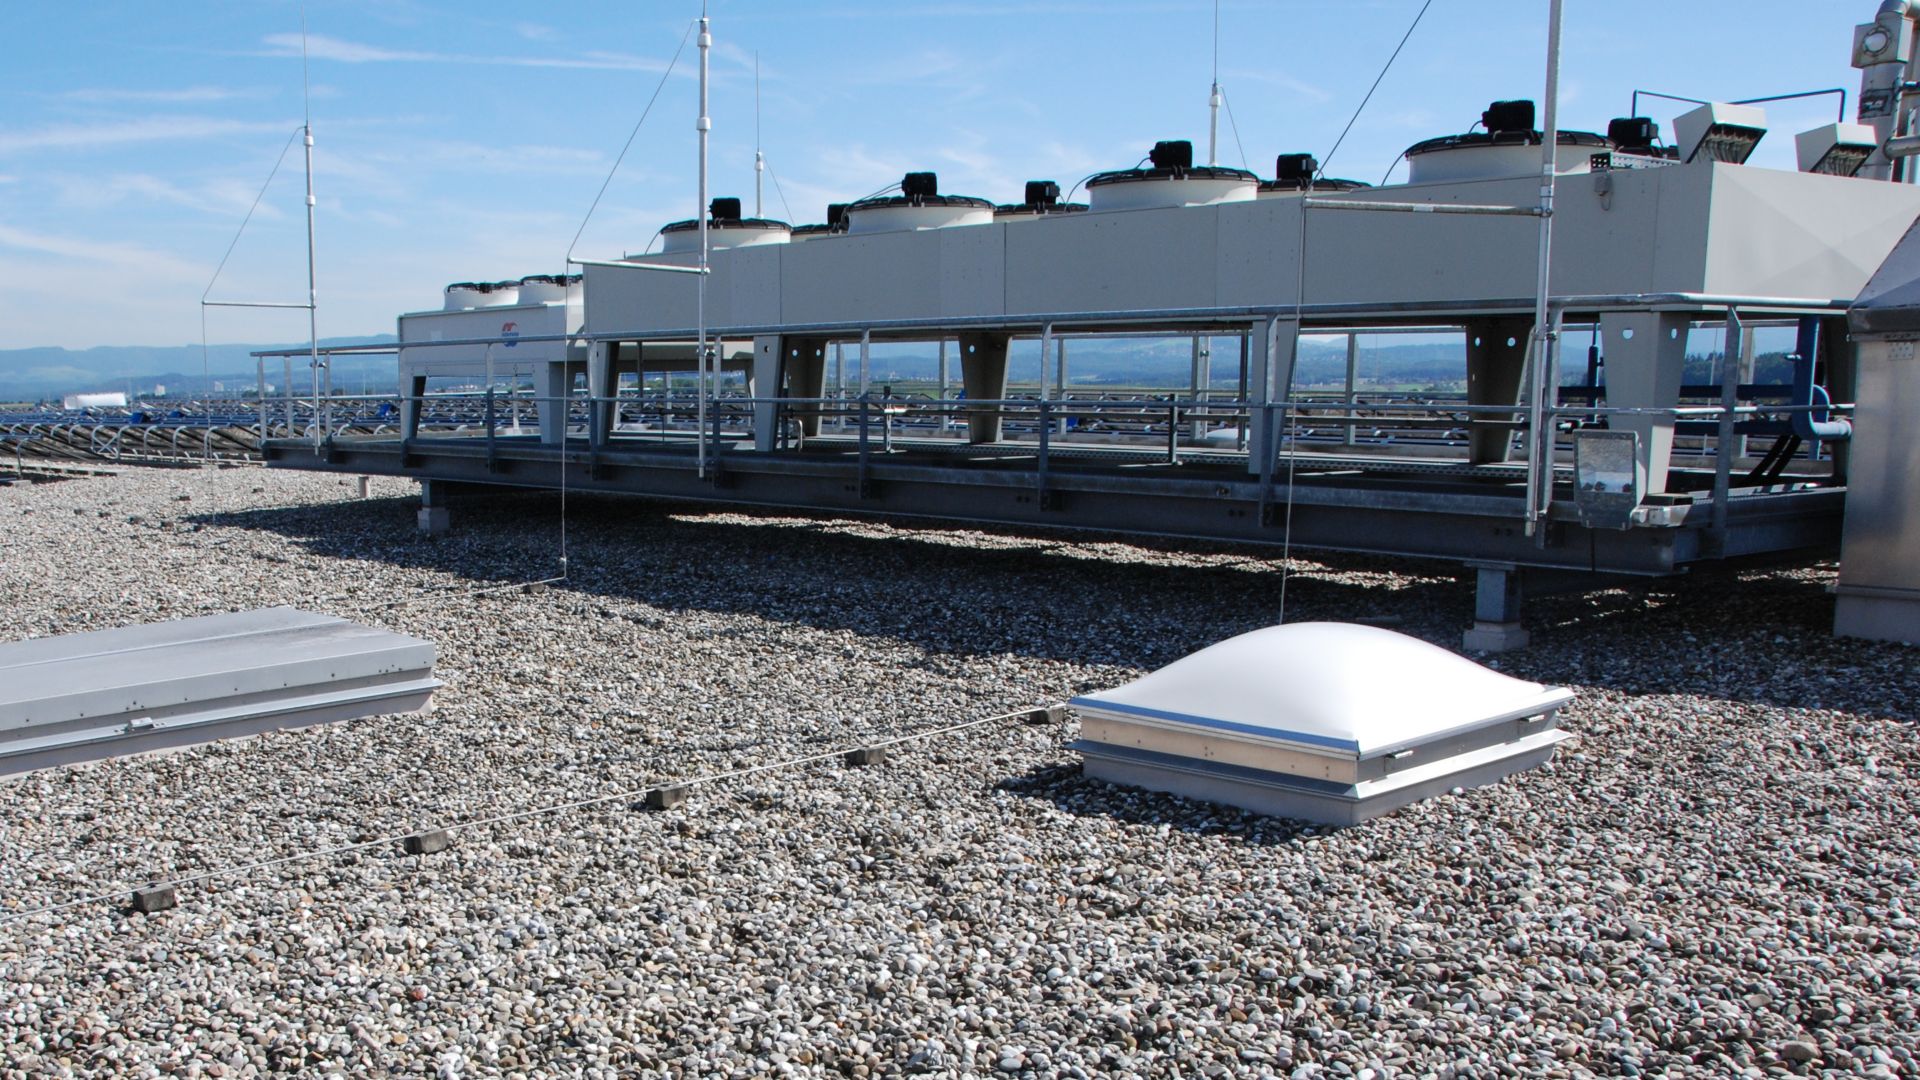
(1331, 722)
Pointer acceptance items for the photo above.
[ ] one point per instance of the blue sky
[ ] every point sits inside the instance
(464, 141)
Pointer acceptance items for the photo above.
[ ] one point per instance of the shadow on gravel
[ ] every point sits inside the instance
(1073, 793)
(964, 590)
(1743, 632)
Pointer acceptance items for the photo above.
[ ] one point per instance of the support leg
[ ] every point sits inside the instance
(600, 387)
(1496, 363)
(410, 408)
(983, 373)
(1496, 610)
(1275, 344)
(554, 388)
(1646, 358)
(434, 518)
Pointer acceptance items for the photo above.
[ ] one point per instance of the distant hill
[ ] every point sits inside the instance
(49, 372)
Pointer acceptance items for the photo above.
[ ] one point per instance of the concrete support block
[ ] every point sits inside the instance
(1488, 637)
(1496, 610)
(427, 843)
(867, 755)
(666, 798)
(154, 898)
(364, 486)
(433, 520)
(1052, 714)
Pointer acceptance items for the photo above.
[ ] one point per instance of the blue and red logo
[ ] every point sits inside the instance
(511, 332)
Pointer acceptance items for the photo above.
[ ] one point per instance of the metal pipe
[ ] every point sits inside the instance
(1540, 442)
(1353, 373)
(1724, 441)
(703, 125)
(313, 293)
(1422, 208)
(1240, 439)
(1883, 97)
(621, 264)
(256, 304)
(866, 369)
(1046, 346)
(1060, 372)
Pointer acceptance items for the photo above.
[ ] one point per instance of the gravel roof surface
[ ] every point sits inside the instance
(1719, 877)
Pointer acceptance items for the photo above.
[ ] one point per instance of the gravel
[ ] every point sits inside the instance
(1718, 878)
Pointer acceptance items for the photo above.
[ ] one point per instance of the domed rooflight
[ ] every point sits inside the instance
(1303, 721)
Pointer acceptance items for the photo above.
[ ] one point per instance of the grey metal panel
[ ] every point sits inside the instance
(619, 299)
(1879, 590)
(196, 679)
(1890, 303)
(753, 285)
(1678, 228)
(525, 320)
(1421, 257)
(1253, 269)
(973, 266)
(152, 636)
(1108, 261)
(1736, 229)
(1603, 242)
(1328, 804)
(876, 276)
(1818, 235)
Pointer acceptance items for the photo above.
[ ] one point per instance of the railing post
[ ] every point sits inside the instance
(1351, 397)
(1046, 442)
(1725, 445)
(1173, 433)
(864, 448)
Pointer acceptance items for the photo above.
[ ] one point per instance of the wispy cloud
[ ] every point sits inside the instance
(182, 96)
(535, 31)
(322, 47)
(125, 256)
(94, 193)
(1272, 78)
(121, 132)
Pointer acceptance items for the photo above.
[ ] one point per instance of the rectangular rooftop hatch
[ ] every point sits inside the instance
(107, 693)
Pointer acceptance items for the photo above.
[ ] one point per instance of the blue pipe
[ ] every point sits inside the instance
(1817, 424)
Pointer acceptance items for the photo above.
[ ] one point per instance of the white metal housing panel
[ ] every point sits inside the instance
(1779, 233)
(973, 264)
(752, 284)
(1129, 259)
